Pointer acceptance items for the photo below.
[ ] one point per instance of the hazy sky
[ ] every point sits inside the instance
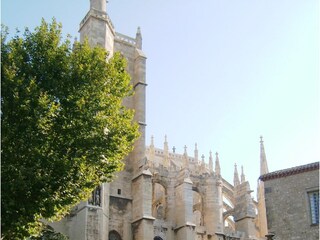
(220, 73)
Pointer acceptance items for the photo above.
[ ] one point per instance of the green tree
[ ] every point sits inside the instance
(48, 233)
(64, 128)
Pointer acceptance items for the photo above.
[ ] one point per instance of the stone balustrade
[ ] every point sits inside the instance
(125, 39)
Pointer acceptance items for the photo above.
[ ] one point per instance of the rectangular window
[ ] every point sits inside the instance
(314, 206)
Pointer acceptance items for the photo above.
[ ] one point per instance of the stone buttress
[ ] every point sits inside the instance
(244, 209)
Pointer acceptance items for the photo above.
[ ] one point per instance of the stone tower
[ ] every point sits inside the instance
(97, 27)
(115, 211)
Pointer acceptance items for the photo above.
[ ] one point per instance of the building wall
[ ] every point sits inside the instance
(287, 206)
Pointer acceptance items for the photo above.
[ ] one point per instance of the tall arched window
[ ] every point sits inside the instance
(159, 201)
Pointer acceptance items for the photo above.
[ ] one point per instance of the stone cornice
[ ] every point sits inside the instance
(144, 217)
(98, 15)
(290, 171)
(187, 224)
(144, 172)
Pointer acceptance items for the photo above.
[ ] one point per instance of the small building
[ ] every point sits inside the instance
(292, 202)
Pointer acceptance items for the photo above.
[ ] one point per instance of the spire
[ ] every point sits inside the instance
(236, 181)
(139, 39)
(202, 159)
(196, 152)
(262, 215)
(152, 149)
(166, 152)
(165, 145)
(185, 155)
(210, 162)
(74, 43)
(243, 177)
(263, 159)
(138, 31)
(100, 5)
(203, 164)
(217, 167)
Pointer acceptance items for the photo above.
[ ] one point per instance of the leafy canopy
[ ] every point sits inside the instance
(48, 233)
(64, 128)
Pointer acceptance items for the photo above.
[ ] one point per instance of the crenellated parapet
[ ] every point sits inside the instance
(175, 161)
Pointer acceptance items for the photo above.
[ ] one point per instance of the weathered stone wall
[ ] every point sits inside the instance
(244, 210)
(287, 206)
(128, 51)
(121, 186)
(78, 225)
(97, 28)
(120, 216)
(213, 205)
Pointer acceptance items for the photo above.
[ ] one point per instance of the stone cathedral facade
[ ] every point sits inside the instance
(161, 194)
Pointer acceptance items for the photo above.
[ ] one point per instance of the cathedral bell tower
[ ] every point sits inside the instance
(97, 27)
(127, 200)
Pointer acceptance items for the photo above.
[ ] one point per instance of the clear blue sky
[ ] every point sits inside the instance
(220, 73)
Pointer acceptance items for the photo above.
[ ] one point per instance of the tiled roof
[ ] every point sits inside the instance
(290, 171)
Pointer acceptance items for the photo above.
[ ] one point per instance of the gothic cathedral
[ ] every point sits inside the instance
(161, 194)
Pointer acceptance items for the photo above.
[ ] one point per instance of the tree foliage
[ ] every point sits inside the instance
(48, 233)
(64, 128)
